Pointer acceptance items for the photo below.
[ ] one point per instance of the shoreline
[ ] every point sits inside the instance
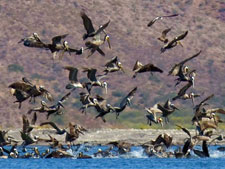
(136, 137)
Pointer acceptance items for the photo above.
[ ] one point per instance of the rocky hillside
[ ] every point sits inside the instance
(131, 39)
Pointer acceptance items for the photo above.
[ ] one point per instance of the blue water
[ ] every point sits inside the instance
(134, 159)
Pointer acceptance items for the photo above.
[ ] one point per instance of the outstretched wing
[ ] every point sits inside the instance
(114, 60)
(102, 27)
(87, 23)
(176, 68)
(57, 39)
(128, 97)
(164, 33)
(51, 124)
(185, 130)
(72, 73)
(91, 73)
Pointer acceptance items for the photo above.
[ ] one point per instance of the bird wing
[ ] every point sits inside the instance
(206, 99)
(34, 119)
(22, 86)
(91, 73)
(129, 96)
(102, 27)
(173, 15)
(51, 124)
(47, 94)
(137, 65)
(26, 123)
(153, 21)
(185, 130)
(217, 110)
(57, 39)
(150, 67)
(87, 23)
(65, 97)
(114, 60)
(100, 51)
(192, 57)
(164, 33)
(184, 89)
(177, 38)
(72, 73)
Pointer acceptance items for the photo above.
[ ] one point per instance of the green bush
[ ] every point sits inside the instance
(15, 68)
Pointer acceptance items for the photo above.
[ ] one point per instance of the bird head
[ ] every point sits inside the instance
(119, 64)
(43, 103)
(106, 38)
(105, 85)
(160, 121)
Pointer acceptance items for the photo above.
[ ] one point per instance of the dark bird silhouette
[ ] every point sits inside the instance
(53, 125)
(159, 18)
(140, 68)
(87, 101)
(174, 42)
(89, 26)
(204, 152)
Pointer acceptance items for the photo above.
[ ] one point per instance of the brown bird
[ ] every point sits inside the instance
(32, 90)
(163, 36)
(167, 109)
(159, 18)
(113, 65)
(152, 117)
(126, 100)
(21, 96)
(87, 101)
(54, 109)
(163, 138)
(178, 69)
(89, 26)
(95, 43)
(140, 68)
(94, 81)
(57, 46)
(33, 41)
(74, 82)
(174, 42)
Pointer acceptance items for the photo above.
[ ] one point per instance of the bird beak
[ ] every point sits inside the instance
(121, 67)
(193, 82)
(106, 89)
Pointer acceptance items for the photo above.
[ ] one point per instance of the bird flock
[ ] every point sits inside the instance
(205, 119)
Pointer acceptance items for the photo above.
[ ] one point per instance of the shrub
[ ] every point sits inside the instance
(15, 68)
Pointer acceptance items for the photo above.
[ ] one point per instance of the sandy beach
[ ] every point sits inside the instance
(103, 136)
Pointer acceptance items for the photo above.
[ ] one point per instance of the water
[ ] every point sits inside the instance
(134, 159)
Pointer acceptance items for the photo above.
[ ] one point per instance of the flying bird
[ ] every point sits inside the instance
(174, 42)
(159, 18)
(89, 26)
(140, 68)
